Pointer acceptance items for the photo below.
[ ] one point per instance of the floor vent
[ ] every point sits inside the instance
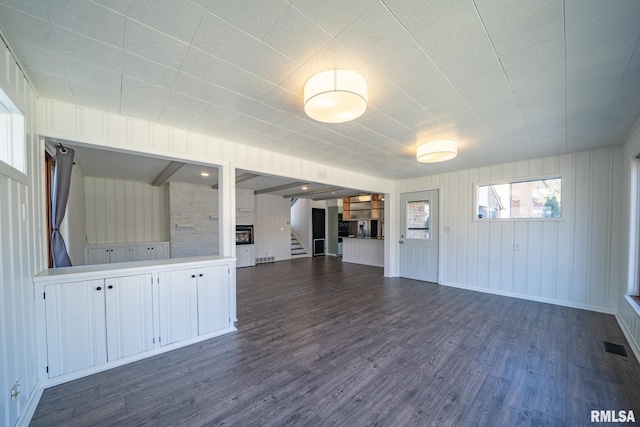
(265, 259)
(615, 349)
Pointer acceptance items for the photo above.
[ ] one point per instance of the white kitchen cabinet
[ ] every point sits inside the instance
(246, 256)
(178, 305)
(75, 326)
(129, 309)
(214, 299)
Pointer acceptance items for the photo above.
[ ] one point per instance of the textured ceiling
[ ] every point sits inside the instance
(507, 79)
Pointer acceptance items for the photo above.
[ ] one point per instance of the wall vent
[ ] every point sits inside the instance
(265, 259)
(615, 349)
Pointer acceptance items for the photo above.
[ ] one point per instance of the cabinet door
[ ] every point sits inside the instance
(76, 330)
(129, 315)
(242, 256)
(160, 251)
(120, 254)
(140, 252)
(213, 299)
(98, 255)
(178, 305)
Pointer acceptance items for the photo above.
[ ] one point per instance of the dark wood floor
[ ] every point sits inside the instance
(321, 342)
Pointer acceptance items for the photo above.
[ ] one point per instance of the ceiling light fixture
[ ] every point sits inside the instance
(205, 174)
(304, 187)
(437, 151)
(335, 96)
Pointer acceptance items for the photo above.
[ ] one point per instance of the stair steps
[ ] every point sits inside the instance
(296, 248)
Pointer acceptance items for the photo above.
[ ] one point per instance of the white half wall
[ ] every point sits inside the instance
(119, 211)
(22, 255)
(575, 261)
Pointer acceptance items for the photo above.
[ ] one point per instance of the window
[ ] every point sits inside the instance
(11, 135)
(537, 198)
(418, 219)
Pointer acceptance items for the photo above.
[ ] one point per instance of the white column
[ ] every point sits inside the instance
(391, 234)
(227, 203)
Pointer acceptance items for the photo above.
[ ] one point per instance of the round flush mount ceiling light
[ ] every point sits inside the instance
(335, 96)
(437, 151)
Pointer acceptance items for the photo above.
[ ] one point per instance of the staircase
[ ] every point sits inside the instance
(297, 251)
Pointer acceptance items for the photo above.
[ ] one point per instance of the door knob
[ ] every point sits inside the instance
(401, 242)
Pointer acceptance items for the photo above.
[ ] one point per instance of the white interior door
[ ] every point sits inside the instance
(419, 235)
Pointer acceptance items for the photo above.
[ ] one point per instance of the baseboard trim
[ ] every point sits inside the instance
(32, 405)
(532, 298)
(133, 358)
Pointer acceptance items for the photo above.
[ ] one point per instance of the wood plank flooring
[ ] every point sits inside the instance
(326, 343)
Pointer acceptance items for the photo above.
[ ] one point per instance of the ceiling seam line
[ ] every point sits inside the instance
(447, 78)
(635, 52)
(504, 73)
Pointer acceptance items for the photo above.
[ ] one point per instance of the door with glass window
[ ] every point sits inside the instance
(419, 235)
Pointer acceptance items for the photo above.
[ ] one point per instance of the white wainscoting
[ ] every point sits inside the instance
(629, 319)
(574, 261)
(23, 254)
(120, 211)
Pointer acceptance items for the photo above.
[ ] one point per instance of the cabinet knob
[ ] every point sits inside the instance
(193, 276)
(110, 286)
(98, 288)
(200, 274)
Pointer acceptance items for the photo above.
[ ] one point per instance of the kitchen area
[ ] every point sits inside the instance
(361, 229)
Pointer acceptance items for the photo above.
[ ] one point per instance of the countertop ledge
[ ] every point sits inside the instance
(127, 267)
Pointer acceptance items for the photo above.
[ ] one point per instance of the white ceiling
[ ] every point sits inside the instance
(508, 79)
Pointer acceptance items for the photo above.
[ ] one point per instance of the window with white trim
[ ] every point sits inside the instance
(519, 199)
(12, 149)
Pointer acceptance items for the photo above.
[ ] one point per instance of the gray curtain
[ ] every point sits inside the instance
(59, 197)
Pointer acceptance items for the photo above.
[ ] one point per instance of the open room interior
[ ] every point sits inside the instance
(457, 243)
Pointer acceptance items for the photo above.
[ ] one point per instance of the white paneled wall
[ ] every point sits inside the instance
(22, 255)
(120, 211)
(273, 215)
(574, 261)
